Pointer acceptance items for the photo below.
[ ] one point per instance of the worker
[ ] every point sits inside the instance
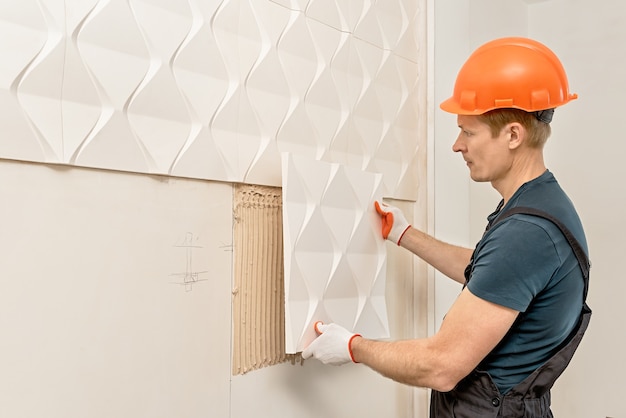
(522, 312)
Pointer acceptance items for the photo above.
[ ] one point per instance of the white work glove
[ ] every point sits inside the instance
(332, 346)
(394, 222)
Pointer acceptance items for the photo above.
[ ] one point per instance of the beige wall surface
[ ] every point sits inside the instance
(115, 300)
(114, 294)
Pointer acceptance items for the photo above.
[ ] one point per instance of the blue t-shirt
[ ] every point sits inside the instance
(526, 264)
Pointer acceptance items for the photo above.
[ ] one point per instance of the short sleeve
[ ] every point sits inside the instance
(513, 263)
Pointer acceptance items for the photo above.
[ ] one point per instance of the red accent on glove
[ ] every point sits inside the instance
(350, 347)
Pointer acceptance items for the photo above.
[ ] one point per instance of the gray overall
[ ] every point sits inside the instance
(477, 395)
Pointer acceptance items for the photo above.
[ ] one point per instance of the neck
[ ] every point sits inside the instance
(522, 171)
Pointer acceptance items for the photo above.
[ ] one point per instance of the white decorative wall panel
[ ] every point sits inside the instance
(212, 89)
(335, 258)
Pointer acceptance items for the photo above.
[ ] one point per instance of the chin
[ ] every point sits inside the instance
(477, 178)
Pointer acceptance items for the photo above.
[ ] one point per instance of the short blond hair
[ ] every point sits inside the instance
(497, 119)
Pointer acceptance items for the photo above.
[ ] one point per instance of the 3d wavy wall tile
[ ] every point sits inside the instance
(212, 89)
(335, 258)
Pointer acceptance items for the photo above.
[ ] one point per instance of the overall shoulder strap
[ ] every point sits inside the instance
(580, 254)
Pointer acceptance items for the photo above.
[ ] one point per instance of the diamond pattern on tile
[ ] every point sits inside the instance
(408, 46)
(335, 259)
(37, 87)
(297, 5)
(218, 95)
(108, 142)
(202, 77)
(342, 15)
(81, 104)
(267, 83)
(157, 110)
(113, 146)
(383, 24)
(235, 126)
(24, 35)
(327, 13)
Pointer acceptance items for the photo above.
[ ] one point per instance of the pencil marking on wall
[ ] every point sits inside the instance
(228, 248)
(189, 277)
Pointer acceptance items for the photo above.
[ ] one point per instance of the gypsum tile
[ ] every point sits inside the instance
(327, 13)
(322, 280)
(99, 47)
(200, 157)
(15, 124)
(113, 146)
(24, 32)
(81, 104)
(236, 134)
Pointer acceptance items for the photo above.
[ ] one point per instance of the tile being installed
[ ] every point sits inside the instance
(335, 258)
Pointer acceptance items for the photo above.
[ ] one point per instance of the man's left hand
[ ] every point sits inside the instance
(332, 346)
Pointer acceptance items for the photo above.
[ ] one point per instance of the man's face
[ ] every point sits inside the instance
(488, 158)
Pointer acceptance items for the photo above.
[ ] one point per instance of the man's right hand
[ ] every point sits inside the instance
(394, 222)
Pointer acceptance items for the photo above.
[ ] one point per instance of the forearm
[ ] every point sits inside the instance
(449, 259)
(469, 332)
(412, 362)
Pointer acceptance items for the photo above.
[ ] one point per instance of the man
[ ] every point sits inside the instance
(522, 312)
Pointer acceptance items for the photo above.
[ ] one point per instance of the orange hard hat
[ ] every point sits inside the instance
(509, 73)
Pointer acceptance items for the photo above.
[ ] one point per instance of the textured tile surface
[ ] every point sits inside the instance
(218, 95)
(335, 259)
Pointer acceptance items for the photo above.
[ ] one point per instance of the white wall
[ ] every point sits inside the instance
(451, 194)
(583, 152)
(461, 206)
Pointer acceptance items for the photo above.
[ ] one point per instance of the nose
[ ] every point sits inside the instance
(459, 145)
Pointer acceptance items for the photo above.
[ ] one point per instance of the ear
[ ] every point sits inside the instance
(516, 134)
